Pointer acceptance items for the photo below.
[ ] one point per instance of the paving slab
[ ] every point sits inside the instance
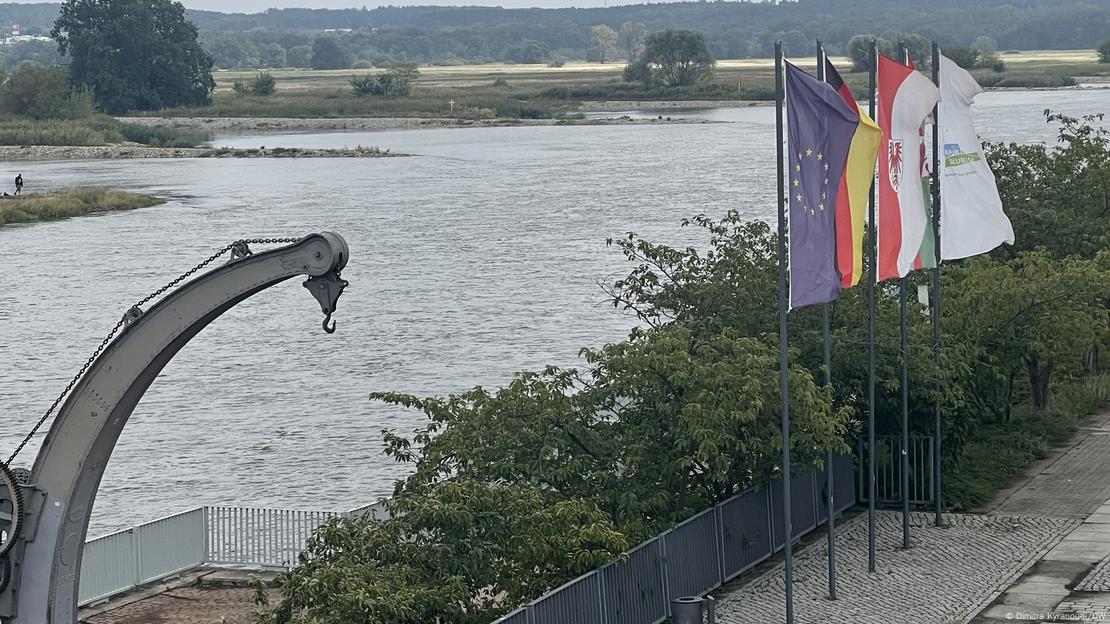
(948, 575)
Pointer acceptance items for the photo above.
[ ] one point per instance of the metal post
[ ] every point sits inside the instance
(784, 364)
(873, 270)
(830, 521)
(937, 497)
(904, 362)
(904, 460)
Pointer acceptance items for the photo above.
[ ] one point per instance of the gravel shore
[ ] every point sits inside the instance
(112, 152)
(279, 124)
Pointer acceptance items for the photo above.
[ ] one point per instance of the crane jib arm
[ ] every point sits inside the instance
(51, 516)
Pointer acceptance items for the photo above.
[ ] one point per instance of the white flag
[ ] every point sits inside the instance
(971, 217)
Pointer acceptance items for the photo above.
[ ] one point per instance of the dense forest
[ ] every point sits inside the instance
(428, 34)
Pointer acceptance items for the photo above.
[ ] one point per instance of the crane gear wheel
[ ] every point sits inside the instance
(11, 509)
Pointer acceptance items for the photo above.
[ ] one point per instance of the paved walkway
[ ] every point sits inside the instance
(1019, 560)
(946, 577)
(1071, 583)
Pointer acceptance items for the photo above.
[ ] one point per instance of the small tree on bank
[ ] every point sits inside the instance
(672, 58)
(1104, 52)
(604, 41)
(328, 54)
(394, 83)
(134, 54)
(632, 38)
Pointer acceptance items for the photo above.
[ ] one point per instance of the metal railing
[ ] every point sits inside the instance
(693, 558)
(247, 536)
(888, 470)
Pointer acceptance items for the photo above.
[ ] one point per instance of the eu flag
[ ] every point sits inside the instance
(821, 127)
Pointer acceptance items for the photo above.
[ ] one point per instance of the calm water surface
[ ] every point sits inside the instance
(474, 260)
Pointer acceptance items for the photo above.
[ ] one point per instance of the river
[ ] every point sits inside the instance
(475, 259)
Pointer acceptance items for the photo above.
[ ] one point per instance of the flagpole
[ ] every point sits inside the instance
(784, 370)
(872, 268)
(937, 497)
(830, 524)
(904, 459)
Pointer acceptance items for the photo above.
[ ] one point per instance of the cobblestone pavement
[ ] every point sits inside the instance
(1064, 584)
(946, 577)
(190, 605)
(1094, 608)
(1098, 580)
(1074, 485)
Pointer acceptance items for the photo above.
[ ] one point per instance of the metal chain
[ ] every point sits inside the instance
(115, 330)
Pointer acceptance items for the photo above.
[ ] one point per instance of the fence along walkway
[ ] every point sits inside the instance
(693, 558)
(247, 536)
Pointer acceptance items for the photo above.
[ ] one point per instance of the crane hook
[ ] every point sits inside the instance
(326, 289)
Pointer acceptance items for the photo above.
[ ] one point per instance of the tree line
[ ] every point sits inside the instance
(732, 29)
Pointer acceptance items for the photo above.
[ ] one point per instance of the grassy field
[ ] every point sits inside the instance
(70, 203)
(90, 131)
(530, 91)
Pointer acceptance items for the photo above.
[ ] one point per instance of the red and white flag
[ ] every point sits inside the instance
(905, 99)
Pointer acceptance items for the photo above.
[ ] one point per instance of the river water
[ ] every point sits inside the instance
(475, 259)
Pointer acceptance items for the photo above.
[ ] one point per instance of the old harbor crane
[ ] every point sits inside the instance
(44, 511)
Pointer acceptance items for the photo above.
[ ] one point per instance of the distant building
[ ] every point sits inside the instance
(16, 37)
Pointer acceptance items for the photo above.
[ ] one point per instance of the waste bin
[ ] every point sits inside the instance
(692, 610)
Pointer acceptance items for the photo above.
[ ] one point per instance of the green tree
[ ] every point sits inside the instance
(632, 38)
(394, 83)
(604, 41)
(328, 54)
(134, 54)
(229, 52)
(677, 58)
(1055, 195)
(1035, 317)
(299, 56)
(529, 52)
(463, 552)
(1104, 52)
(965, 57)
(858, 48)
(272, 56)
(33, 90)
(264, 84)
(919, 48)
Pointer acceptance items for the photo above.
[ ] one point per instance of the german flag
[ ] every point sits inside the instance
(854, 186)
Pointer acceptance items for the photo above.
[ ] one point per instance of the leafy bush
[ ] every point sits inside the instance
(264, 84)
(965, 57)
(500, 82)
(240, 88)
(40, 92)
(1104, 52)
(394, 83)
(991, 60)
(1036, 81)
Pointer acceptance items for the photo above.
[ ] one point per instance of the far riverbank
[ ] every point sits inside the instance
(255, 124)
(135, 151)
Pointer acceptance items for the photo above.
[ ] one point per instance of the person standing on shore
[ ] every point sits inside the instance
(18, 184)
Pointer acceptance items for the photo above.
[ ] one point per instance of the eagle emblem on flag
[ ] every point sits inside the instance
(894, 169)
